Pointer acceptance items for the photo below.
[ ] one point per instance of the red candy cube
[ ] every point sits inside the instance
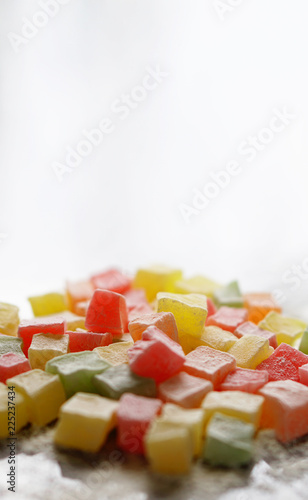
(243, 379)
(12, 364)
(156, 355)
(184, 390)
(228, 318)
(284, 363)
(28, 327)
(87, 341)
(211, 309)
(134, 415)
(210, 364)
(112, 280)
(249, 328)
(107, 312)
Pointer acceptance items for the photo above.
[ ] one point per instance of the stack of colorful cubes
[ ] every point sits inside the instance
(182, 368)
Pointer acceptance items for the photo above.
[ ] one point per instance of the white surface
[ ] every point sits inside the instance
(120, 206)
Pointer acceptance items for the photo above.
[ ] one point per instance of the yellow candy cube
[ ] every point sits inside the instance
(45, 346)
(287, 330)
(15, 403)
(9, 319)
(250, 350)
(115, 354)
(43, 393)
(156, 279)
(85, 422)
(238, 404)
(212, 336)
(196, 284)
(168, 448)
(190, 311)
(49, 303)
(191, 419)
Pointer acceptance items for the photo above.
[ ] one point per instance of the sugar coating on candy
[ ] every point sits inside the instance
(47, 324)
(229, 295)
(76, 370)
(259, 305)
(303, 374)
(304, 342)
(9, 319)
(165, 321)
(46, 346)
(156, 279)
(250, 350)
(249, 328)
(107, 312)
(49, 303)
(229, 441)
(212, 336)
(285, 409)
(12, 364)
(77, 292)
(115, 354)
(156, 355)
(134, 415)
(238, 404)
(196, 284)
(184, 390)
(169, 448)
(85, 422)
(283, 364)
(287, 330)
(210, 364)
(243, 379)
(190, 311)
(228, 318)
(112, 280)
(43, 394)
(87, 341)
(14, 401)
(10, 344)
(117, 380)
(191, 419)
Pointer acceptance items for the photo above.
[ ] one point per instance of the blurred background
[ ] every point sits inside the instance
(117, 117)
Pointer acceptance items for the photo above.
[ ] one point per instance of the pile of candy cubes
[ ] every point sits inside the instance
(181, 369)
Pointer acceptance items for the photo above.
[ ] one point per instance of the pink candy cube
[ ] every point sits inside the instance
(12, 364)
(303, 374)
(210, 364)
(249, 328)
(243, 379)
(134, 416)
(184, 390)
(228, 318)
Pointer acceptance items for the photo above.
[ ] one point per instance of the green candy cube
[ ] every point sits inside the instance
(304, 342)
(76, 370)
(229, 441)
(229, 295)
(10, 344)
(119, 379)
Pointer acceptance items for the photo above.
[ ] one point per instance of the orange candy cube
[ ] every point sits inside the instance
(259, 305)
(164, 321)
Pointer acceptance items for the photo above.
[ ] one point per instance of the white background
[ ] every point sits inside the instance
(120, 206)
